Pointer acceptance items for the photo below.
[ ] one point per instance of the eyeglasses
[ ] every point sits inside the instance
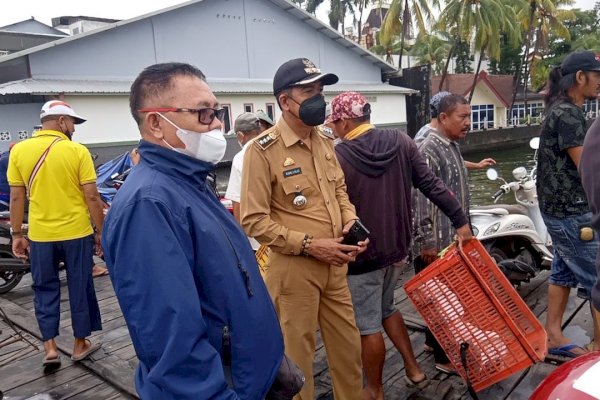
(206, 115)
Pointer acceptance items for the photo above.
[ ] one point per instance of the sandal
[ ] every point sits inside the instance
(93, 347)
(432, 388)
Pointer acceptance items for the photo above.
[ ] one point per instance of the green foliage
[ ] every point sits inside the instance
(463, 55)
(510, 56)
(431, 49)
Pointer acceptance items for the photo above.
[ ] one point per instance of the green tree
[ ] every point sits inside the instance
(481, 23)
(402, 15)
(431, 49)
(510, 57)
(538, 18)
(463, 58)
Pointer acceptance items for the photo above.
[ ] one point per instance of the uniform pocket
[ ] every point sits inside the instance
(295, 184)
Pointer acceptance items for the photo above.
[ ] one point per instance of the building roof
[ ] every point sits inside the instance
(32, 27)
(500, 85)
(376, 17)
(112, 87)
(286, 5)
(67, 20)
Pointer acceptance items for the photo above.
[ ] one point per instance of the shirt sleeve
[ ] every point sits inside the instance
(235, 180)
(571, 129)
(255, 206)
(87, 173)
(424, 209)
(341, 194)
(145, 251)
(13, 174)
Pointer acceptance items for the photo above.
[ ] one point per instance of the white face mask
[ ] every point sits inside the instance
(208, 146)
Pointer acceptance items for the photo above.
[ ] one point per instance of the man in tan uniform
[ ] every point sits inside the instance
(294, 200)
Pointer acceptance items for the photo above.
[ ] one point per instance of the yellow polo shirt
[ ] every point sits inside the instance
(57, 207)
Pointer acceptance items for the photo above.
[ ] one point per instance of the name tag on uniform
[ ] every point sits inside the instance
(292, 172)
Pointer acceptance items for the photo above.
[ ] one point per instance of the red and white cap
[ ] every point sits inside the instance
(348, 105)
(58, 107)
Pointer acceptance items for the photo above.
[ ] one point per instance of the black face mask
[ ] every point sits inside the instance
(312, 110)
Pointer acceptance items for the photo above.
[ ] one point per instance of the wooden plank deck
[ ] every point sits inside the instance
(109, 372)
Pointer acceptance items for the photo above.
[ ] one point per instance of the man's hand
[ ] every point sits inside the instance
(332, 251)
(486, 162)
(97, 238)
(429, 255)
(362, 245)
(464, 234)
(20, 248)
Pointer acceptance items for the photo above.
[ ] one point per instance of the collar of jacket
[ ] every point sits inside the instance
(173, 163)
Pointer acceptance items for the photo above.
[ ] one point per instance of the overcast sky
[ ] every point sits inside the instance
(44, 11)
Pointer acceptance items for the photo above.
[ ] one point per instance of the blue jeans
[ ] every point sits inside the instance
(574, 259)
(77, 255)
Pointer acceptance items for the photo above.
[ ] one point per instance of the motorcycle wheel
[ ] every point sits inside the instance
(8, 279)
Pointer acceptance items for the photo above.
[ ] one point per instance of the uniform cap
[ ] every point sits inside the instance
(300, 71)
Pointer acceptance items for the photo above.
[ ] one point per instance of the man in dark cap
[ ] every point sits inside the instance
(563, 202)
(294, 200)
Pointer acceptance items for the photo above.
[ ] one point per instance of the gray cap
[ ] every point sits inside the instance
(264, 117)
(246, 122)
(434, 103)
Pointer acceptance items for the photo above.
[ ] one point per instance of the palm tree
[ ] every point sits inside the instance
(337, 13)
(481, 22)
(399, 20)
(537, 18)
(431, 49)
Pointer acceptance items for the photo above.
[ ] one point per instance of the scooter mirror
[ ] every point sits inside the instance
(534, 143)
(491, 174)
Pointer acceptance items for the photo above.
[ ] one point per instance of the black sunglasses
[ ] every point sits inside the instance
(206, 115)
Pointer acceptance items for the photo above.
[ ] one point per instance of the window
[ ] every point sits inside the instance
(4, 136)
(23, 135)
(249, 108)
(271, 111)
(482, 116)
(227, 117)
(534, 115)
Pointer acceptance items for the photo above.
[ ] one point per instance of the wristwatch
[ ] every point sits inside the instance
(15, 233)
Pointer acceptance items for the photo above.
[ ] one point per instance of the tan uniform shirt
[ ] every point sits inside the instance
(277, 167)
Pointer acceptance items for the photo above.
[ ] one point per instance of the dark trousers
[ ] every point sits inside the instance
(438, 353)
(77, 254)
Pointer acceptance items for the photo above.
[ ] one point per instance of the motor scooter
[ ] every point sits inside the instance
(11, 268)
(515, 235)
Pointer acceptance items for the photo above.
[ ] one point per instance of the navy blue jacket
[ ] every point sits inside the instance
(184, 274)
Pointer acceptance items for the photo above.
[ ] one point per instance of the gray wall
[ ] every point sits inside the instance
(238, 39)
(498, 138)
(11, 117)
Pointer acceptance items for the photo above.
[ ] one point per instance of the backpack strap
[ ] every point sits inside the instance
(39, 163)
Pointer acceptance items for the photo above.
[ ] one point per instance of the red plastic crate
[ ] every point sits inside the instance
(465, 298)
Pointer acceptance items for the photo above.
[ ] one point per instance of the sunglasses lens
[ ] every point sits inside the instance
(206, 116)
(220, 114)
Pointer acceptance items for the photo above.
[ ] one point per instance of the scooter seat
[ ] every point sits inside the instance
(487, 211)
(510, 208)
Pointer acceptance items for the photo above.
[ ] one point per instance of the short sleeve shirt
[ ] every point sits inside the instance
(57, 207)
(559, 185)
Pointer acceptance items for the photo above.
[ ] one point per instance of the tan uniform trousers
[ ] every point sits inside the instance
(307, 292)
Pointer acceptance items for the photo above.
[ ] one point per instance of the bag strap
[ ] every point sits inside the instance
(39, 163)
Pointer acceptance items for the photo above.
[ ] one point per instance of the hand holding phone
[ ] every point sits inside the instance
(358, 233)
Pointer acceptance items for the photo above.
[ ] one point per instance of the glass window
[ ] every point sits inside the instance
(271, 111)
(482, 116)
(249, 108)
(590, 107)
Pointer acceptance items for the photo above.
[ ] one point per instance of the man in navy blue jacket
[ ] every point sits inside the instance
(199, 315)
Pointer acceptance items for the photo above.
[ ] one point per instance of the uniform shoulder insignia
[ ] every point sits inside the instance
(266, 140)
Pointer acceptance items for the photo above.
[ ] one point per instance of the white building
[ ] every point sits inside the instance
(238, 44)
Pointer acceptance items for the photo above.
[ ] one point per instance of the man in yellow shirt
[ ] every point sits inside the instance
(58, 177)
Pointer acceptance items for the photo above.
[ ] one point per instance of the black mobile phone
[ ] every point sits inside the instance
(358, 233)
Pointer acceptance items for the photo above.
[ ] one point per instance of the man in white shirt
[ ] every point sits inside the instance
(246, 127)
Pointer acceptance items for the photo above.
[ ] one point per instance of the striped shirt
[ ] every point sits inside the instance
(431, 228)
